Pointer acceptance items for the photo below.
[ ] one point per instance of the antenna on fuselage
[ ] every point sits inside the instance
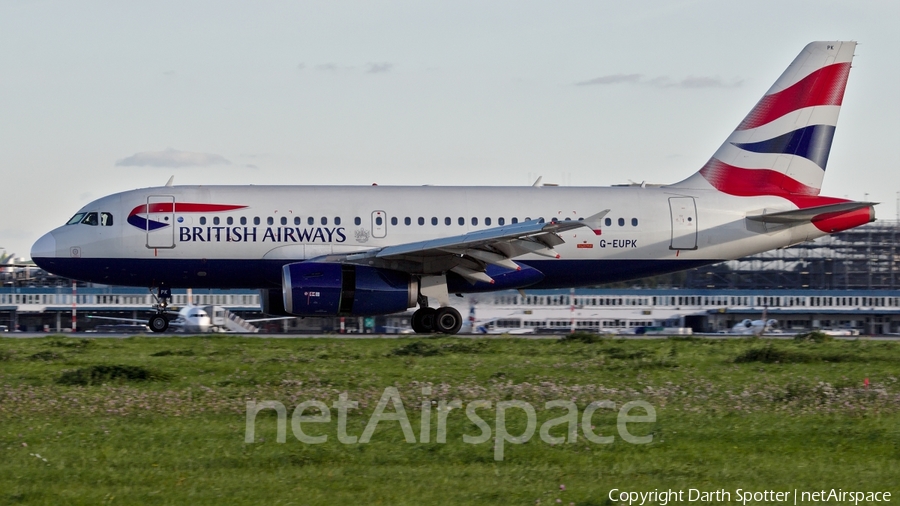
(537, 182)
(171, 180)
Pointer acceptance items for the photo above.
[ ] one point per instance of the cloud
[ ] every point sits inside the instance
(612, 79)
(691, 82)
(707, 82)
(301, 66)
(172, 158)
(326, 66)
(378, 68)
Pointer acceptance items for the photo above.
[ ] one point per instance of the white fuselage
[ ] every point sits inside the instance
(648, 230)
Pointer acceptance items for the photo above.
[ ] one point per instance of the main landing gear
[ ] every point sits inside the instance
(426, 320)
(160, 322)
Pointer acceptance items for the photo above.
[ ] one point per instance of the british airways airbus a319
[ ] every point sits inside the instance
(371, 250)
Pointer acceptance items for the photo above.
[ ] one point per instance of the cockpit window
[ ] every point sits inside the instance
(91, 219)
(106, 219)
(75, 219)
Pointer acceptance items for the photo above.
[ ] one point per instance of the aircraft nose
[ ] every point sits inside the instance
(45, 247)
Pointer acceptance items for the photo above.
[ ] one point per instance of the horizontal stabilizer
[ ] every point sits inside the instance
(810, 213)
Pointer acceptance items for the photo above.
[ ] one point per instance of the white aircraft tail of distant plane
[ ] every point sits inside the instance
(357, 251)
(473, 325)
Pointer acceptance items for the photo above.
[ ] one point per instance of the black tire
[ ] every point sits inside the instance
(447, 320)
(423, 320)
(159, 323)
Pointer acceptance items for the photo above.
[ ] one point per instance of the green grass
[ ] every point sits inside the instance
(161, 420)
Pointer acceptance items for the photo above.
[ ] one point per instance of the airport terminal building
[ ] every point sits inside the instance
(873, 312)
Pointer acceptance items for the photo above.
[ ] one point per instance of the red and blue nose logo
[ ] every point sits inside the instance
(146, 216)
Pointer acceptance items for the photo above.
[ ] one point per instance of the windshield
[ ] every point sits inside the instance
(75, 219)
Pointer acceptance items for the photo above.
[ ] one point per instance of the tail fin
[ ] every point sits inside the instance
(782, 146)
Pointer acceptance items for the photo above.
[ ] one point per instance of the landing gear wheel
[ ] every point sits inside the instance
(159, 323)
(423, 320)
(447, 320)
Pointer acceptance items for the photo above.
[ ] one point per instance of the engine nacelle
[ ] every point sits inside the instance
(271, 302)
(325, 289)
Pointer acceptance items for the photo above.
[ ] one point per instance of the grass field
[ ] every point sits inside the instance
(150, 420)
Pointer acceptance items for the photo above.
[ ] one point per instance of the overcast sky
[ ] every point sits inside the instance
(101, 97)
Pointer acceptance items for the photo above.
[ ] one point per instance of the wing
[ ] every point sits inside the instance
(271, 319)
(469, 254)
(174, 323)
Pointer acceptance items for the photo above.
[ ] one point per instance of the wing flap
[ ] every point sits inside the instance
(474, 250)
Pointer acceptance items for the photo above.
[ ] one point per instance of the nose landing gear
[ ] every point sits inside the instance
(160, 322)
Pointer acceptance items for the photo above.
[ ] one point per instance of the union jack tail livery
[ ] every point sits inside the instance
(781, 148)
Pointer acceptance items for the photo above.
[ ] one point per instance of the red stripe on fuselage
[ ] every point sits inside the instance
(183, 207)
(822, 87)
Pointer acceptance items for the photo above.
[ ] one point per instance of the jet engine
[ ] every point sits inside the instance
(326, 289)
(271, 302)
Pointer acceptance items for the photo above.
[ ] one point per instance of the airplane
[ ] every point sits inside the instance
(197, 319)
(373, 250)
(754, 327)
(188, 319)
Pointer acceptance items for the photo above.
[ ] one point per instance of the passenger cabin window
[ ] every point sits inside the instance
(106, 219)
(284, 220)
(394, 220)
(487, 221)
(474, 221)
(421, 220)
(270, 221)
(296, 220)
(462, 221)
(310, 221)
(243, 220)
(379, 221)
(229, 220)
(515, 220)
(203, 220)
(324, 220)
(634, 222)
(357, 221)
(447, 221)
(407, 221)
(434, 220)
(608, 221)
(256, 220)
(621, 222)
(337, 220)
(501, 221)
(216, 220)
